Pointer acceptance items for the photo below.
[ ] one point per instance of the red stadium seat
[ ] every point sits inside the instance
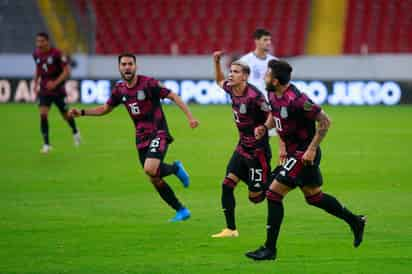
(197, 27)
(381, 26)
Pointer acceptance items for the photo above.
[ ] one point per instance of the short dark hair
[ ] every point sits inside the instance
(245, 67)
(281, 70)
(259, 33)
(126, 54)
(43, 34)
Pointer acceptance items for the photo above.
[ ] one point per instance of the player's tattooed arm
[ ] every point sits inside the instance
(219, 76)
(193, 122)
(97, 111)
(321, 131)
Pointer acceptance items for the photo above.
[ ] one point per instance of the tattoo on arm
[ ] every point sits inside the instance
(321, 131)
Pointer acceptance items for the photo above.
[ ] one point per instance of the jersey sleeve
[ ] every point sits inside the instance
(114, 99)
(158, 89)
(304, 104)
(61, 59)
(35, 60)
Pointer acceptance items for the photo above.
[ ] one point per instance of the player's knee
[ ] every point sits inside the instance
(274, 196)
(150, 171)
(229, 182)
(315, 198)
(258, 198)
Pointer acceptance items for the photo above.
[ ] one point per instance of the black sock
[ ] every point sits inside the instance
(228, 205)
(331, 205)
(72, 124)
(274, 219)
(168, 195)
(44, 127)
(166, 169)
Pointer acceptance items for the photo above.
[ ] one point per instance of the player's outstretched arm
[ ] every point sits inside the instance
(321, 131)
(193, 122)
(219, 76)
(97, 111)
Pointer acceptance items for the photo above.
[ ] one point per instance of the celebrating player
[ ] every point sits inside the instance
(294, 116)
(52, 70)
(141, 96)
(251, 160)
(258, 62)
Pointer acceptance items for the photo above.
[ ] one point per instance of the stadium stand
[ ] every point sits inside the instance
(378, 26)
(19, 20)
(197, 27)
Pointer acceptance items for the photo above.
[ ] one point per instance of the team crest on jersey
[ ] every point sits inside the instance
(49, 60)
(265, 107)
(242, 109)
(141, 95)
(307, 106)
(284, 112)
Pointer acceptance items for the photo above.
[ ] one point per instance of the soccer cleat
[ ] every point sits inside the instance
(262, 253)
(77, 139)
(226, 233)
(358, 228)
(182, 174)
(181, 215)
(45, 149)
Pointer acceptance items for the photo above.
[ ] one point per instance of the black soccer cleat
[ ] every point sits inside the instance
(358, 228)
(262, 253)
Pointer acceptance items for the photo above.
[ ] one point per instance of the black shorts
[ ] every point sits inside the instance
(58, 100)
(254, 172)
(156, 149)
(293, 173)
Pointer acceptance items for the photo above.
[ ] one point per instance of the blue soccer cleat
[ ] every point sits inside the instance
(182, 174)
(181, 215)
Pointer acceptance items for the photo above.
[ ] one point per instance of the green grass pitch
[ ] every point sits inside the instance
(91, 209)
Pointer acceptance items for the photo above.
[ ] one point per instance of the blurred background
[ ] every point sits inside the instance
(343, 51)
(91, 209)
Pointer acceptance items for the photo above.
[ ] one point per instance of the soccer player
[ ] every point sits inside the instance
(295, 116)
(258, 62)
(250, 161)
(51, 70)
(141, 96)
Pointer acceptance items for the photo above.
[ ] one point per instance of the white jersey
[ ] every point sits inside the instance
(258, 68)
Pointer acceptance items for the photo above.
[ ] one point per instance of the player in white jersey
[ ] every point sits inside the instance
(258, 62)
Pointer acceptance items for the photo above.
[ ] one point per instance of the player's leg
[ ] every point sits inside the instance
(151, 159)
(165, 169)
(259, 176)
(274, 196)
(228, 205)
(236, 170)
(311, 181)
(315, 197)
(63, 108)
(44, 107)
